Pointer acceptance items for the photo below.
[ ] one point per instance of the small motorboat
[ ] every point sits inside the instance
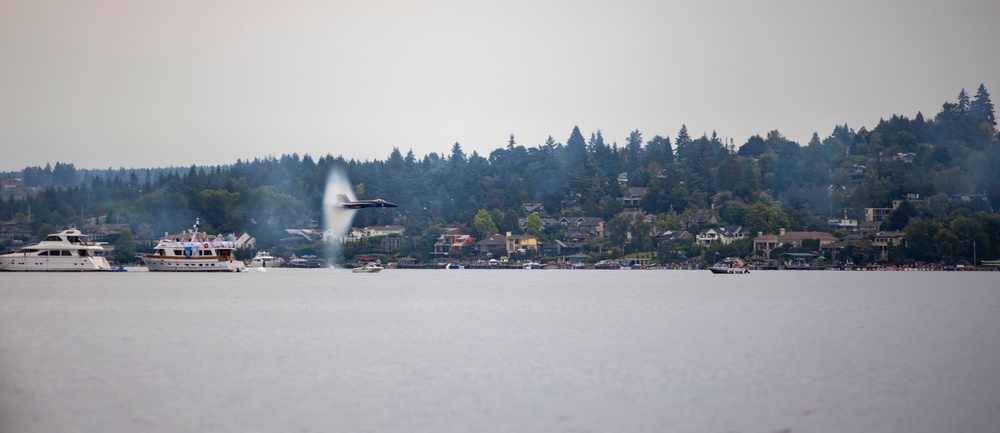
(367, 266)
(729, 265)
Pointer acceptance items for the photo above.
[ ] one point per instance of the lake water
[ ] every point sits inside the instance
(500, 351)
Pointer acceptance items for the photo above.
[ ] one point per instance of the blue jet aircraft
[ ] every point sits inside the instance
(358, 204)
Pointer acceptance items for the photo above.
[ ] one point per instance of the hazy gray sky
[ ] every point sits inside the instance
(135, 83)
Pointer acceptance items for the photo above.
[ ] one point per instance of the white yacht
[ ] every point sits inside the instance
(67, 250)
(263, 259)
(194, 252)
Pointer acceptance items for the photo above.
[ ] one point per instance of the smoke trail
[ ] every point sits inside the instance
(336, 219)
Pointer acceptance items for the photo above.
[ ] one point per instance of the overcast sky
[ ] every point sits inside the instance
(136, 83)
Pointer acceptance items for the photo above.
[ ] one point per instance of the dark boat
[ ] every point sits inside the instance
(729, 265)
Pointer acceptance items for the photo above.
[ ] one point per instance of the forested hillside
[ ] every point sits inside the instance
(765, 184)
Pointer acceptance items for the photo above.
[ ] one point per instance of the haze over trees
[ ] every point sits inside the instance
(767, 183)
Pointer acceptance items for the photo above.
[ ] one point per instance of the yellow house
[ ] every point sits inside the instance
(521, 243)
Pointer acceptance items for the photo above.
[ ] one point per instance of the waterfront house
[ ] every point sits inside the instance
(671, 235)
(295, 238)
(914, 199)
(389, 237)
(622, 178)
(698, 218)
(546, 222)
(885, 241)
(557, 248)
(876, 214)
(103, 232)
(246, 241)
(632, 196)
(521, 244)
(968, 198)
(725, 235)
(593, 226)
(868, 227)
(856, 173)
(766, 243)
(580, 228)
(13, 231)
(847, 224)
(452, 241)
(533, 207)
(833, 248)
(494, 245)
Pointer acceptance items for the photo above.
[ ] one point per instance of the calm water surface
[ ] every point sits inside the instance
(500, 351)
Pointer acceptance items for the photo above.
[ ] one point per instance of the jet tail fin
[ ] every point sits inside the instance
(342, 198)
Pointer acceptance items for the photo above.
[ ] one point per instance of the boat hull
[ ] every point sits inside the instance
(367, 270)
(158, 264)
(22, 263)
(66, 251)
(729, 270)
(263, 264)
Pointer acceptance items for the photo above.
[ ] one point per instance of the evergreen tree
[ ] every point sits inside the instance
(750, 181)
(754, 147)
(510, 222)
(963, 102)
(953, 122)
(457, 159)
(981, 109)
(834, 151)
(730, 173)
(576, 149)
(633, 150)
(606, 157)
(681, 143)
(125, 247)
(654, 201)
(899, 217)
(576, 160)
(658, 150)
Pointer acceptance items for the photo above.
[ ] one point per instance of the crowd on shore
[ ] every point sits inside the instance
(695, 265)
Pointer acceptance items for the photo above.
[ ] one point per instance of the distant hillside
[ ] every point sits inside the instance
(952, 162)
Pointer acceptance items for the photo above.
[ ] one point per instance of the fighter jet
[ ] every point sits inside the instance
(358, 204)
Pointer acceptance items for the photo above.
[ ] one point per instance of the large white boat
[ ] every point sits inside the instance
(194, 252)
(67, 250)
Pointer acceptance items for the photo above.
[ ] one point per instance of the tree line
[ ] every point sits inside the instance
(767, 183)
